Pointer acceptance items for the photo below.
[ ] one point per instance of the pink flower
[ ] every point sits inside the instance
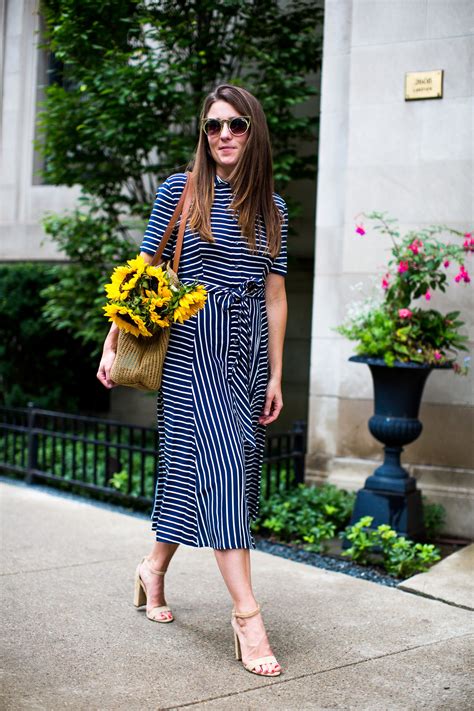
(405, 313)
(360, 230)
(463, 275)
(437, 355)
(385, 283)
(468, 243)
(447, 263)
(415, 246)
(402, 267)
(428, 295)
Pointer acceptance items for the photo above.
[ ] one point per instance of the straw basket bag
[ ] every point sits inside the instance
(139, 360)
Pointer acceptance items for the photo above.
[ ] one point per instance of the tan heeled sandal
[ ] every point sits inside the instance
(140, 596)
(253, 663)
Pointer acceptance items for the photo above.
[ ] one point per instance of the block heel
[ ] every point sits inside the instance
(156, 614)
(260, 661)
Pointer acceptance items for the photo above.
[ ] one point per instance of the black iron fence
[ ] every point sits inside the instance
(113, 460)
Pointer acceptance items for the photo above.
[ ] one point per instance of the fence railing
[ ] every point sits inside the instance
(114, 460)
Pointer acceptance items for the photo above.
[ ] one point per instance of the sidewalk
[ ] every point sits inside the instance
(73, 640)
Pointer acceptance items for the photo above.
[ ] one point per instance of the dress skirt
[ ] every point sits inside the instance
(215, 376)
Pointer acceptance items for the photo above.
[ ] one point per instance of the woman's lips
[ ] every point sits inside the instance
(227, 148)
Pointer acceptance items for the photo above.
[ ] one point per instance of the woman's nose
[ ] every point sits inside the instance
(225, 133)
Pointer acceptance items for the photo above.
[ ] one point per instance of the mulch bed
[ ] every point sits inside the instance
(327, 562)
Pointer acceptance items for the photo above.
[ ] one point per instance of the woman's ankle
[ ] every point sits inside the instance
(156, 564)
(245, 605)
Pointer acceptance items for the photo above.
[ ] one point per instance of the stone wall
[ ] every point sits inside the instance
(22, 202)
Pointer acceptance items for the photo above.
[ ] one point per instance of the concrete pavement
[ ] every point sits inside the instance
(73, 640)
(451, 580)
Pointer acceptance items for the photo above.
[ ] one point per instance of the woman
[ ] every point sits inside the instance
(221, 382)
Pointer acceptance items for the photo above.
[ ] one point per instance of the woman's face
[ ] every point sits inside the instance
(225, 148)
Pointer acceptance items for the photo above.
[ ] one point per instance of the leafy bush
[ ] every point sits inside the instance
(399, 556)
(75, 294)
(307, 515)
(36, 362)
(388, 324)
(126, 111)
(312, 515)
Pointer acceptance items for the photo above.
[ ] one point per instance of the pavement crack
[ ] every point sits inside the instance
(429, 596)
(314, 673)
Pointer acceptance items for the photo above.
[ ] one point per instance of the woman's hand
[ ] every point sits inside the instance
(105, 366)
(273, 402)
(108, 357)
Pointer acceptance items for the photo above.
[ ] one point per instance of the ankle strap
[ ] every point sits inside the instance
(246, 614)
(152, 570)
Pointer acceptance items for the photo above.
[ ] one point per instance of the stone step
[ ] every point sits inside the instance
(451, 580)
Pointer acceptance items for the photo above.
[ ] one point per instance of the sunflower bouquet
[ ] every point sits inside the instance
(142, 299)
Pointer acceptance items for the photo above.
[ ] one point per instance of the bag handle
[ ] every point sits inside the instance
(182, 208)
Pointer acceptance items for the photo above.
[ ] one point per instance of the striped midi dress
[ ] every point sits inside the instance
(214, 379)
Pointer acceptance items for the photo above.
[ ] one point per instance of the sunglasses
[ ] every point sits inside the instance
(237, 126)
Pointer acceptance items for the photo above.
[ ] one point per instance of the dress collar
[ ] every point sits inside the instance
(220, 181)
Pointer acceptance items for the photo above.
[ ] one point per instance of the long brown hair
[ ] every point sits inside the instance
(251, 179)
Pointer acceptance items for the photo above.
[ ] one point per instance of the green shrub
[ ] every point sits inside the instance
(399, 556)
(38, 363)
(75, 294)
(307, 515)
(122, 111)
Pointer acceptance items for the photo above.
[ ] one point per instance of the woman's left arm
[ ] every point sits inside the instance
(277, 311)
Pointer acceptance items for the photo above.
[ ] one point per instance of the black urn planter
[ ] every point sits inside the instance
(390, 494)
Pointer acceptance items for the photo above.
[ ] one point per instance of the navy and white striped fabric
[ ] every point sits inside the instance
(214, 380)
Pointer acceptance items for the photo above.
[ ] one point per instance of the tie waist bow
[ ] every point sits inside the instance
(244, 324)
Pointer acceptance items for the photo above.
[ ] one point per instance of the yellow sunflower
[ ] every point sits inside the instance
(113, 289)
(156, 272)
(124, 279)
(136, 269)
(190, 304)
(163, 293)
(138, 264)
(156, 302)
(126, 319)
(158, 318)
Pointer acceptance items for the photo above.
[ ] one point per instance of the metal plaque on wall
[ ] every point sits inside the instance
(424, 85)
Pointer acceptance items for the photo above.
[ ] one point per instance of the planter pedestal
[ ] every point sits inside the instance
(390, 494)
(404, 513)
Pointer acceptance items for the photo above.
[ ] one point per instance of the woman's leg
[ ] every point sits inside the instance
(158, 559)
(234, 565)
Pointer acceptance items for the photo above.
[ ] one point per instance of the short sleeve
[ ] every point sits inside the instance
(280, 265)
(167, 197)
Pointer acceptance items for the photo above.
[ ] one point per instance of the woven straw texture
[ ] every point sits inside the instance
(139, 360)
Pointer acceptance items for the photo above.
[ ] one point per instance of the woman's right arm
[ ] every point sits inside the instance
(110, 345)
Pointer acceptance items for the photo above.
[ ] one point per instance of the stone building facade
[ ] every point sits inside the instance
(414, 160)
